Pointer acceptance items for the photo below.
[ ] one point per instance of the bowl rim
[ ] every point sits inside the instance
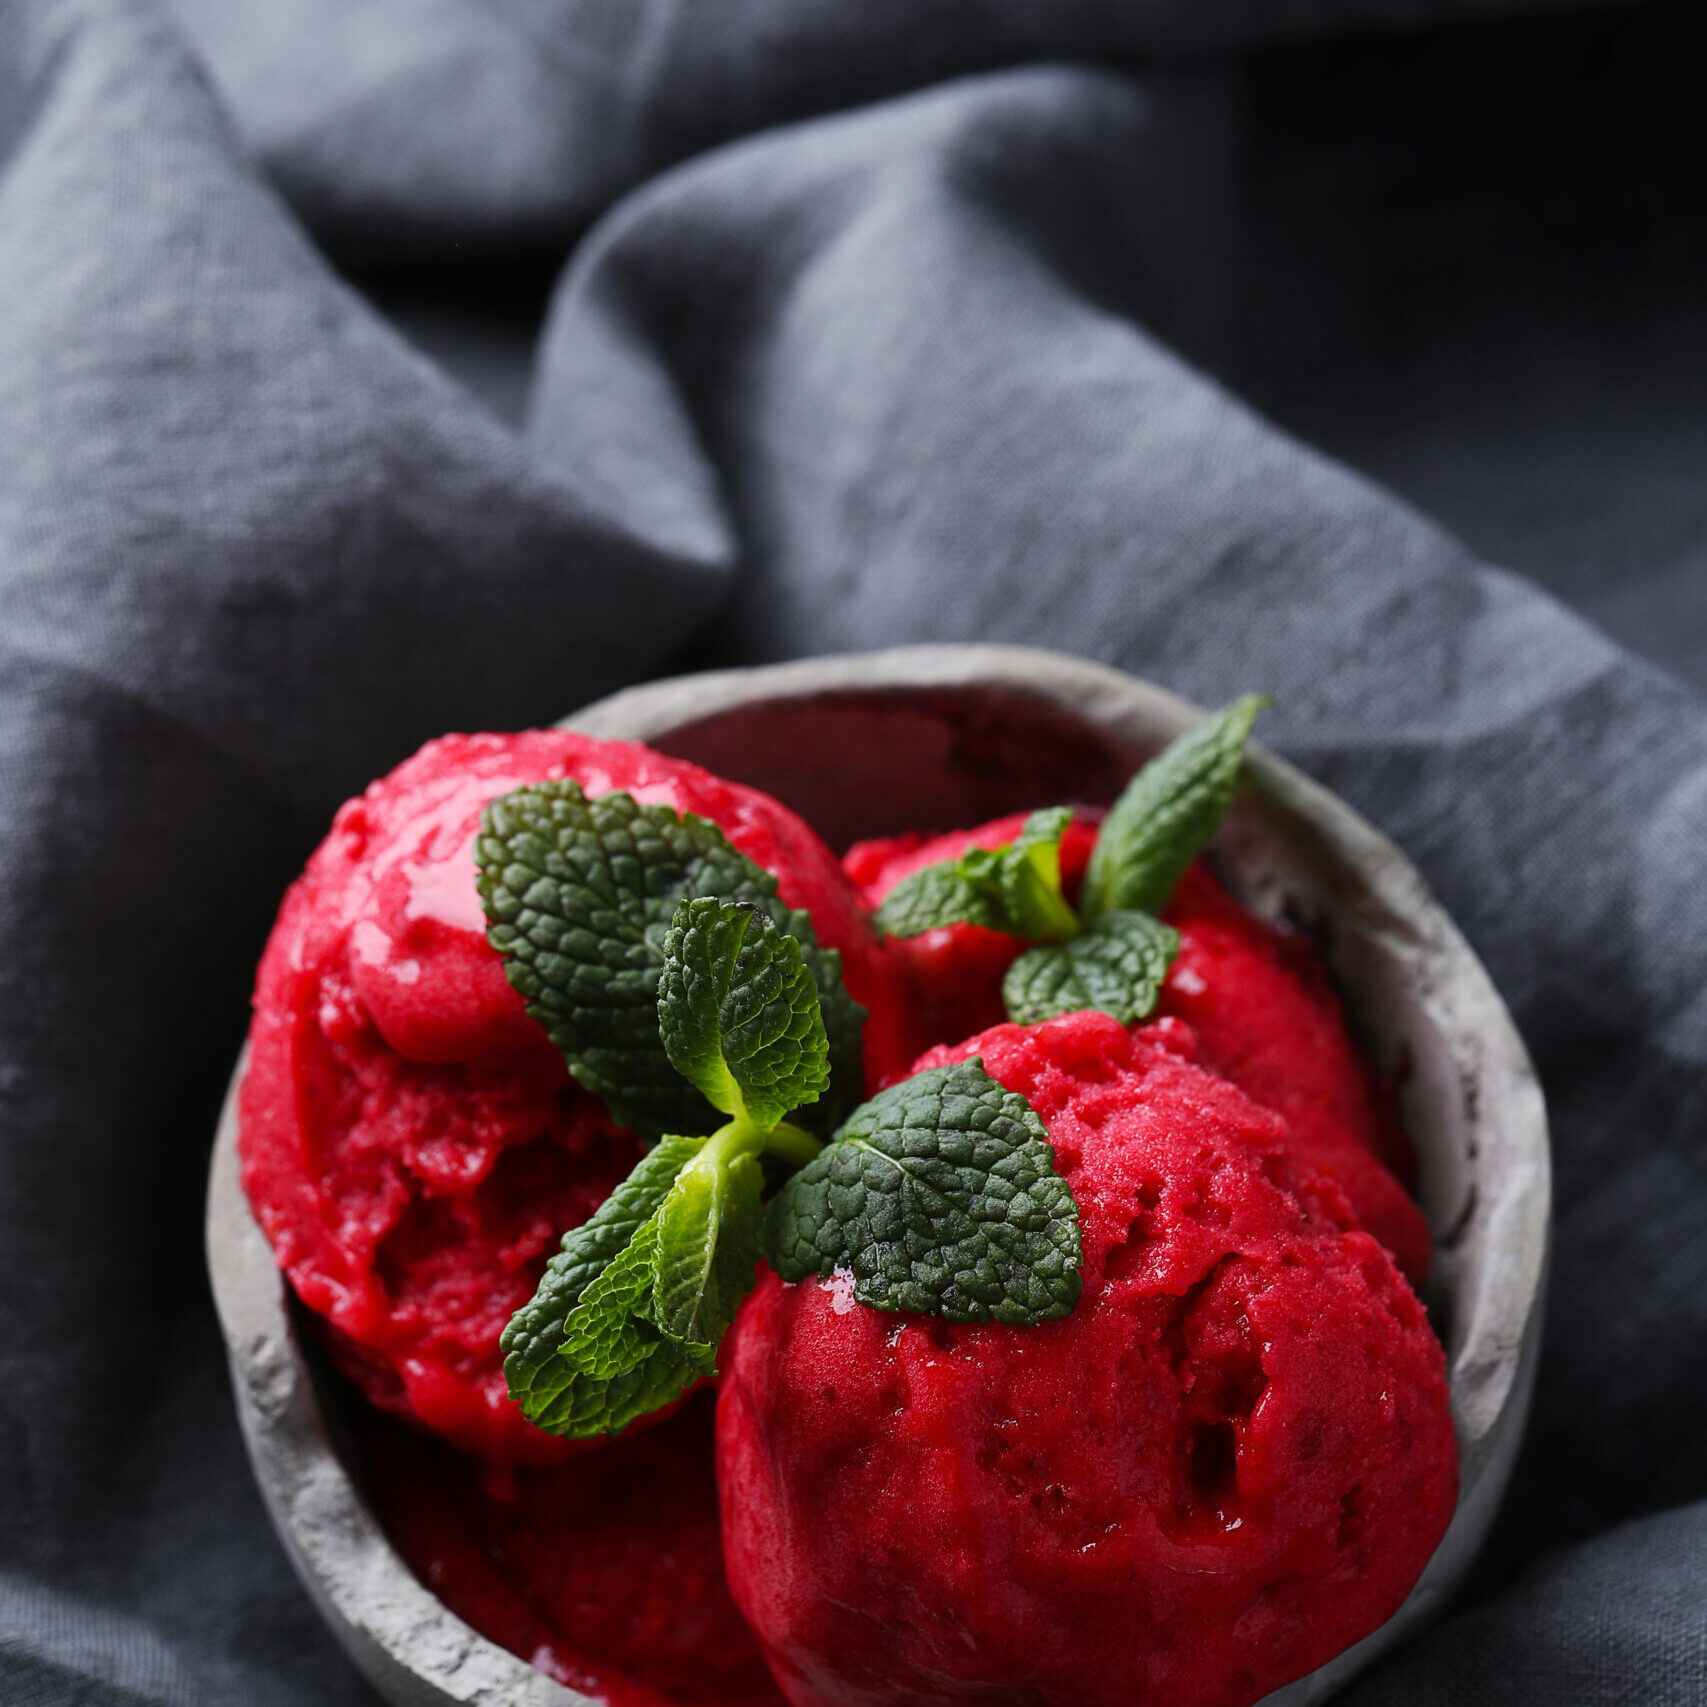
(417, 1652)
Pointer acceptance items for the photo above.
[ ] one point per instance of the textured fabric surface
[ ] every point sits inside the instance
(387, 120)
(901, 371)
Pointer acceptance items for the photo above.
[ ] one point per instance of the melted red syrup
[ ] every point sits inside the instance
(605, 1572)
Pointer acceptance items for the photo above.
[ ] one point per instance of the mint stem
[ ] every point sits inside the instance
(728, 1144)
(790, 1143)
(738, 1138)
(1055, 920)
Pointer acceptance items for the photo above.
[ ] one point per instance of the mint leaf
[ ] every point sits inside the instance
(707, 1244)
(738, 1011)
(939, 895)
(1116, 963)
(1031, 872)
(558, 1394)
(1014, 889)
(1168, 811)
(938, 1195)
(579, 895)
(606, 1335)
(579, 1407)
(630, 1313)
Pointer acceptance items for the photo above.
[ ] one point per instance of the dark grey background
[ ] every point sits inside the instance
(1471, 262)
(883, 320)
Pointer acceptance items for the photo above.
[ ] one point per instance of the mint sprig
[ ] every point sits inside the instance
(579, 894)
(1167, 812)
(631, 1310)
(939, 1195)
(1014, 889)
(582, 1396)
(1113, 953)
(1116, 963)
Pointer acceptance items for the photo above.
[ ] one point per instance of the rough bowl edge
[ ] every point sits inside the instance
(417, 1653)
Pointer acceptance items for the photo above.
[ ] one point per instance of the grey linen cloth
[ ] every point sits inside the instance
(898, 371)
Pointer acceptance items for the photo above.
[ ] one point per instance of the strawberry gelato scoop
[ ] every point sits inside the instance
(1257, 996)
(412, 1143)
(1228, 1464)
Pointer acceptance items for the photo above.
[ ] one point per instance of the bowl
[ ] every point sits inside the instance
(933, 737)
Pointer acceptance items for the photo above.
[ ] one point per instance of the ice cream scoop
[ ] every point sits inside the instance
(413, 1145)
(1257, 997)
(1228, 1464)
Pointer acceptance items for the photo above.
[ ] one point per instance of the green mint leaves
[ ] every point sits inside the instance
(1112, 954)
(1116, 963)
(681, 989)
(579, 895)
(1166, 814)
(631, 1310)
(709, 1239)
(552, 1362)
(1014, 889)
(738, 1012)
(938, 1195)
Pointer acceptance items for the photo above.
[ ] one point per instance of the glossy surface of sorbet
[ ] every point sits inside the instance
(412, 1144)
(1228, 1464)
(606, 1572)
(1256, 994)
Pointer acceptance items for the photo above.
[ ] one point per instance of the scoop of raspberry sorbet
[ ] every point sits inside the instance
(1256, 996)
(411, 1141)
(1228, 1464)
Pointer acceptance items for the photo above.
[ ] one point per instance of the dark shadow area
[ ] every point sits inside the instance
(476, 312)
(1477, 270)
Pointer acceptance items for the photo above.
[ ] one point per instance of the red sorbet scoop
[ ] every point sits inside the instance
(412, 1143)
(1228, 1464)
(1264, 1012)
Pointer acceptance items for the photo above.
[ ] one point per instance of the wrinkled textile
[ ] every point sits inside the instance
(902, 370)
(391, 119)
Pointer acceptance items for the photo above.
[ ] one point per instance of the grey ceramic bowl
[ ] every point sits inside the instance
(935, 737)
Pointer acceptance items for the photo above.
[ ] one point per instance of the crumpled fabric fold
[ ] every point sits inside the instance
(901, 368)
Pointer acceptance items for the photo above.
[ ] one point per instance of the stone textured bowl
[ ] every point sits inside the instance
(935, 737)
